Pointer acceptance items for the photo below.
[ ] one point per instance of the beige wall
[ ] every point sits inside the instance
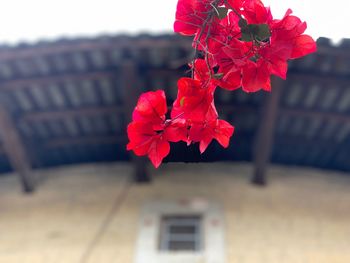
(302, 216)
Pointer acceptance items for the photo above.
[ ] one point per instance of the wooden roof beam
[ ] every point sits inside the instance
(46, 80)
(91, 45)
(70, 113)
(264, 138)
(131, 91)
(15, 150)
(333, 116)
(91, 140)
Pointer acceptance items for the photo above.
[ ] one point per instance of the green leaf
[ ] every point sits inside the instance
(263, 32)
(247, 35)
(253, 32)
(221, 12)
(218, 75)
(242, 23)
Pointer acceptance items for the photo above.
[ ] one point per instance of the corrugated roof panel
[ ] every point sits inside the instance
(87, 92)
(79, 61)
(71, 127)
(86, 125)
(172, 92)
(313, 126)
(343, 133)
(297, 126)
(22, 100)
(326, 64)
(132, 53)
(156, 57)
(70, 58)
(59, 63)
(72, 90)
(307, 63)
(39, 96)
(116, 123)
(56, 96)
(99, 125)
(281, 125)
(311, 95)
(107, 91)
(176, 53)
(241, 96)
(249, 122)
(98, 59)
(56, 128)
(295, 93)
(25, 67)
(224, 96)
(157, 83)
(343, 104)
(116, 56)
(6, 71)
(25, 129)
(342, 65)
(42, 65)
(41, 130)
(329, 99)
(329, 129)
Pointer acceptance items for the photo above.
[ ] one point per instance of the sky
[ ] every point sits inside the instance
(33, 20)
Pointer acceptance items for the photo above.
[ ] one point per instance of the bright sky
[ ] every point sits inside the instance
(31, 20)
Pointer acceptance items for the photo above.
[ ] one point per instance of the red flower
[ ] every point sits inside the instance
(177, 130)
(145, 132)
(241, 46)
(191, 15)
(256, 76)
(194, 102)
(144, 140)
(289, 32)
(151, 107)
(205, 132)
(255, 12)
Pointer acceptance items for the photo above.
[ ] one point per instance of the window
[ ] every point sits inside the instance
(180, 233)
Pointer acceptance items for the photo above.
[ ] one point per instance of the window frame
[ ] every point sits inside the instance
(147, 244)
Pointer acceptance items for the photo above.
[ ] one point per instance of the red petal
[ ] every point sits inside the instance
(223, 132)
(159, 149)
(303, 45)
(176, 131)
(256, 77)
(193, 102)
(151, 106)
(202, 134)
(140, 136)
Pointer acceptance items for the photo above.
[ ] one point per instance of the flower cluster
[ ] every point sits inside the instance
(238, 44)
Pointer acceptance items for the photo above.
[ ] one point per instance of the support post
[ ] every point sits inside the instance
(15, 150)
(264, 138)
(131, 91)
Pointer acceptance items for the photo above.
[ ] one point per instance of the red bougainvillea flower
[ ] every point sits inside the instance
(151, 107)
(262, 49)
(204, 133)
(289, 32)
(145, 132)
(145, 140)
(255, 76)
(210, 80)
(194, 102)
(192, 14)
(255, 12)
(238, 44)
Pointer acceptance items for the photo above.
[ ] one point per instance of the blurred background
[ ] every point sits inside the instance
(71, 73)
